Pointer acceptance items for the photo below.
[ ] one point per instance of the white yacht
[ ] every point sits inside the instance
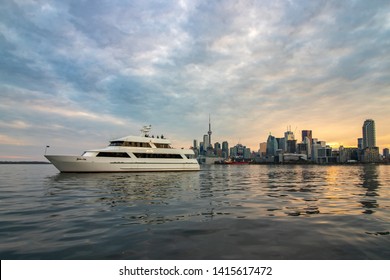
(130, 154)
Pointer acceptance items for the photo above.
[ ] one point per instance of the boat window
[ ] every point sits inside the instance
(117, 143)
(136, 144)
(142, 155)
(189, 156)
(163, 146)
(109, 154)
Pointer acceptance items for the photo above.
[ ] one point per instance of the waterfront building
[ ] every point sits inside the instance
(281, 143)
(386, 153)
(307, 134)
(291, 146)
(263, 149)
(201, 148)
(196, 148)
(370, 152)
(314, 149)
(272, 146)
(288, 136)
(195, 145)
(217, 149)
(307, 138)
(291, 158)
(239, 152)
(370, 155)
(348, 155)
(303, 148)
(247, 153)
(369, 138)
(360, 143)
(225, 149)
(324, 155)
(206, 143)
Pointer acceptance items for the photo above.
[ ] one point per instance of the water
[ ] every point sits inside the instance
(221, 212)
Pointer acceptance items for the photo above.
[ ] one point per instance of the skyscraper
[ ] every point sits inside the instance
(209, 132)
(272, 146)
(225, 149)
(195, 145)
(360, 143)
(386, 153)
(369, 139)
(308, 134)
(307, 138)
(206, 142)
(288, 136)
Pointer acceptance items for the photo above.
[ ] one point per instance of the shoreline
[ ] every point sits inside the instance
(249, 163)
(24, 162)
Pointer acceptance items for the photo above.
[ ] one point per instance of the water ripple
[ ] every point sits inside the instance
(262, 211)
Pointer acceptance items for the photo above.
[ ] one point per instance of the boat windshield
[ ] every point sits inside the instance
(116, 143)
(130, 144)
(163, 146)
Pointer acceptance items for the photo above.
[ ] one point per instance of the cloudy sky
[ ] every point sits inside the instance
(75, 74)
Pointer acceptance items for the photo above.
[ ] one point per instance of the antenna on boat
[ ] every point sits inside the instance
(145, 130)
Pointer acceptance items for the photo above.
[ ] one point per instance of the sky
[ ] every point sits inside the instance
(76, 74)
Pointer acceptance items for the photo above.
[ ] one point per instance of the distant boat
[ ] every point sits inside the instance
(130, 154)
(236, 162)
(233, 161)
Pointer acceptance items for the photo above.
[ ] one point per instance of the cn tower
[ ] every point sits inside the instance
(209, 132)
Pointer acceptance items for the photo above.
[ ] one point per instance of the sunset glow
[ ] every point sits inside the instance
(77, 74)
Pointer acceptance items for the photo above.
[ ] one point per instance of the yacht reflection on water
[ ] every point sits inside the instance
(224, 191)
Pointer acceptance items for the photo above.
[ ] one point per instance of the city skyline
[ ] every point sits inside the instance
(367, 137)
(289, 149)
(74, 75)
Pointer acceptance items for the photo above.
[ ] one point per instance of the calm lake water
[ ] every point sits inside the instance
(221, 212)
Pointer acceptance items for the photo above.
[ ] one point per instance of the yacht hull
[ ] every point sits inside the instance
(80, 164)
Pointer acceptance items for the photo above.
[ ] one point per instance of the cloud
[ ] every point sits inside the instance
(255, 66)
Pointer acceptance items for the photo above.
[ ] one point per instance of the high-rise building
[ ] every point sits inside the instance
(291, 146)
(360, 143)
(225, 149)
(196, 148)
(217, 149)
(303, 148)
(315, 147)
(308, 134)
(263, 149)
(386, 153)
(201, 148)
(369, 139)
(281, 143)
(240, 152)
(288, 136)
(247, 153)
(272, 146)
(308, 141)
(206, 142)
(195, 145)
